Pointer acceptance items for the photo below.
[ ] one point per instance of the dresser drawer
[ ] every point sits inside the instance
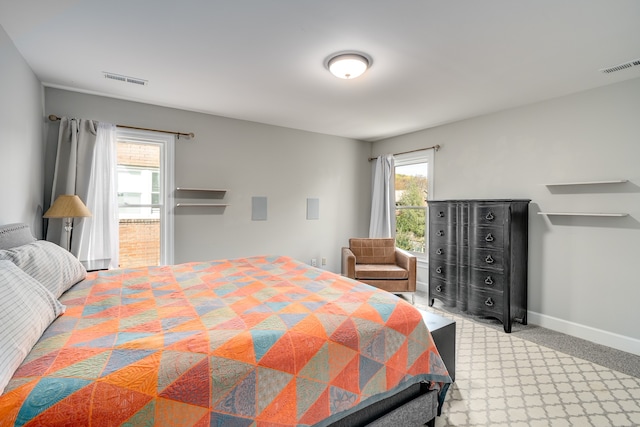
(442, 234)
(443, 271)
(487, 258)
(442, 213)
(442, 290)
(488, 214)
(485, 302)
(488, 237)
(487, 279)
(443, 253)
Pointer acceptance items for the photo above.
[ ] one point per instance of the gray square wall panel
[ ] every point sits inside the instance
(258, 208)
(313, 208)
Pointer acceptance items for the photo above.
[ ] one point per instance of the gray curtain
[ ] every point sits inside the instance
(383, 209)
(76, 145)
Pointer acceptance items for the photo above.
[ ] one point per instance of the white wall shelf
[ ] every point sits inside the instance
(203, 205)
(617, 181)
(583, 214)
(205, 193)
(206, 190)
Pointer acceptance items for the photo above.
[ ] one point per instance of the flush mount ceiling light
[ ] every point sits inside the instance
(348, 65)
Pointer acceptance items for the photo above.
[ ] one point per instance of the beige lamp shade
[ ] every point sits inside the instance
(67, 206)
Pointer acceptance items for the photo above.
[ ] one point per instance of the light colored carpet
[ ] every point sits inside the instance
(505, 380)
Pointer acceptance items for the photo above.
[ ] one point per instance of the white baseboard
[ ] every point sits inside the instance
(599, 336)
(422, 287)
(423, 273)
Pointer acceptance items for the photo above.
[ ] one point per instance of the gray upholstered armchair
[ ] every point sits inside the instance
(379, 263)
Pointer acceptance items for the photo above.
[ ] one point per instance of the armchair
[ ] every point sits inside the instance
(379, 263)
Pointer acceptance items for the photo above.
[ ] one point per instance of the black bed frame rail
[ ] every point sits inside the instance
(414, 406)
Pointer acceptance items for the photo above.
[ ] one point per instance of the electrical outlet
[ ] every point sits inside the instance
(314, 263)
(324, 261)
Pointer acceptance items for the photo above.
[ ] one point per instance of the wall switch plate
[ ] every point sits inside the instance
(324, 261)
(314, 263)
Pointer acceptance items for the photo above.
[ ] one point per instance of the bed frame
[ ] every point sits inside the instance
(414, 406)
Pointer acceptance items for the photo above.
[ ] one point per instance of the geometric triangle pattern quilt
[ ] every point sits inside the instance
(260, 341)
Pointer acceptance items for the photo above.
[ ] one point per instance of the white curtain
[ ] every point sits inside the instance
(98, 237)
(383, 218)
(86, 166)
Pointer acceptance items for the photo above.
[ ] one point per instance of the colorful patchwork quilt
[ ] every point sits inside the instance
(262, 341)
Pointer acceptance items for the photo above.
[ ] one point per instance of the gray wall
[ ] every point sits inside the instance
(21, 139)
(583, 276)
(249, 159)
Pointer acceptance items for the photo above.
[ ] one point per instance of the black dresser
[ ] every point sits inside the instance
(478, 257)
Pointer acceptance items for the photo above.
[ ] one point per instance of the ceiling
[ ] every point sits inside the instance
(434, 61)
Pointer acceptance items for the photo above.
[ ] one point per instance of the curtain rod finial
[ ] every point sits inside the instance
(53, 117)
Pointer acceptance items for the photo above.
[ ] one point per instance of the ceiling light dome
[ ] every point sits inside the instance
(348, 65)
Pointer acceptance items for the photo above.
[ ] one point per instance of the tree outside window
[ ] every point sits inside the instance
(411, 185)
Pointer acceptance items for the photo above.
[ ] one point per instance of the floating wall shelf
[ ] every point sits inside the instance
(617, 181)
(582, 214)
(209, 190)
(205, 205)
(591, 214)
(205, 193)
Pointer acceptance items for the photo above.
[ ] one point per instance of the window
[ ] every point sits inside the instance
(145, 179)
(413, 185)
(137, 195)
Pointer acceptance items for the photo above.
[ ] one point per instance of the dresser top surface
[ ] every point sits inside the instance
(480, 200)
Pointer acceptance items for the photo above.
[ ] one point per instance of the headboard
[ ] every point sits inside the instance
(12, 235)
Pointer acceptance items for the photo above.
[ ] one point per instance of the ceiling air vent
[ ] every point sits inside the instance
(619, 67)
(125, 79)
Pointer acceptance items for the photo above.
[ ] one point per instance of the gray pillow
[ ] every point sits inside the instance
(12, 235)
(26, 309)
(56, 268)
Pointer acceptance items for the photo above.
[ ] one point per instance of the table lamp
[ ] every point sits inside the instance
(67, 206)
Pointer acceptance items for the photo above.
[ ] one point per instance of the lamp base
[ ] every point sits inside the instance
(68, 227)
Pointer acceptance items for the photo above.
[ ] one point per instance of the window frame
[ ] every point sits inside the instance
(167, 183)
(426, 156)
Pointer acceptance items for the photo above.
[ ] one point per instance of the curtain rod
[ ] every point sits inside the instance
(54, 118)
(435, 147)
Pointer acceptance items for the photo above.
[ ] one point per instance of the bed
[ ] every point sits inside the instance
(257, 341)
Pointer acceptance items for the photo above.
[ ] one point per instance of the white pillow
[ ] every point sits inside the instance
(56, 268)
(26, 309)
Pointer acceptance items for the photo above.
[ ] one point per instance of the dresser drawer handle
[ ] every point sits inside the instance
(440, 233)
(489, 238)
(439, 288)
(488, 280)
(439, 251)
(440, 214)
(489, 259)
(489, 216)
(439, 270)
(489, 302)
